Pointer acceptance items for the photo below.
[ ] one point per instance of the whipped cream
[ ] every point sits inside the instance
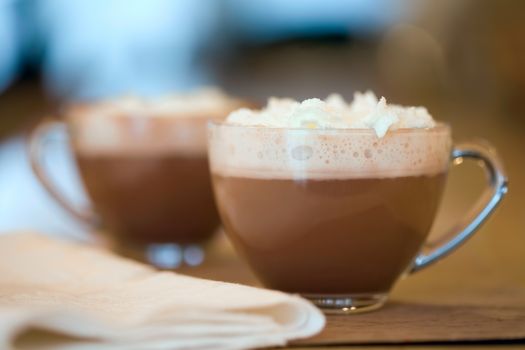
(366, 111)
(173, 124)
(206, 102)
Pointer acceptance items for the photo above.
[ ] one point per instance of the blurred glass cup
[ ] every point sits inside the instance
(145, 168)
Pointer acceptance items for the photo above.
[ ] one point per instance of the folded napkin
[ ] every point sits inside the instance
(59, 295)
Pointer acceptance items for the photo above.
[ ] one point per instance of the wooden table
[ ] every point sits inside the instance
(464, 291)
(485, 277)
(479, 288)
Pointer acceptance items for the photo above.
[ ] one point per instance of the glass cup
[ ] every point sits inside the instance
(339, 215)
(147, 178)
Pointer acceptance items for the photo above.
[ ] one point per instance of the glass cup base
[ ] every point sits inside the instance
(164, 256)
(347, 304)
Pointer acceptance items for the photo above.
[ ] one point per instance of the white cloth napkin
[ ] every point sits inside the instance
(59, 295)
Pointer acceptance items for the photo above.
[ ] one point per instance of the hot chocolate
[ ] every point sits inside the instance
(152, 199)
(146, 188)
(145, 168)
(329, 200)
(330, 236)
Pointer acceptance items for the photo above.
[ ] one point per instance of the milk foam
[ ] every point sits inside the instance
(206, 102)
(366, 111)
(135, 126)
(330, 140)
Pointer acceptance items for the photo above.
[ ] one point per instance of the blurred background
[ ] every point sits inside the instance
(462, 59)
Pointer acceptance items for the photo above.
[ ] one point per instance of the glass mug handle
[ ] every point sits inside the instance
(490, 198)
(38, 143)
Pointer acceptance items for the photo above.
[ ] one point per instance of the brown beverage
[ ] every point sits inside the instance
(144, 165)
(145, 199)
(334, 236)
(335, 200)
(335, 215)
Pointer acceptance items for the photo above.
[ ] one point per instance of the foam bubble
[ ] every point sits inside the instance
(366, 111)
(280, 153)
(134, 125)
(330, 139)
(139, 136)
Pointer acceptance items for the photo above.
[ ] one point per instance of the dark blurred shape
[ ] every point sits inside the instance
(262, 22)
(22, 105)
(9, 38)
(412, 65)
(300, 68)
(487, 55)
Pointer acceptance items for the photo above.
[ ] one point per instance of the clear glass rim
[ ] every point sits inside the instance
(439, 127)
